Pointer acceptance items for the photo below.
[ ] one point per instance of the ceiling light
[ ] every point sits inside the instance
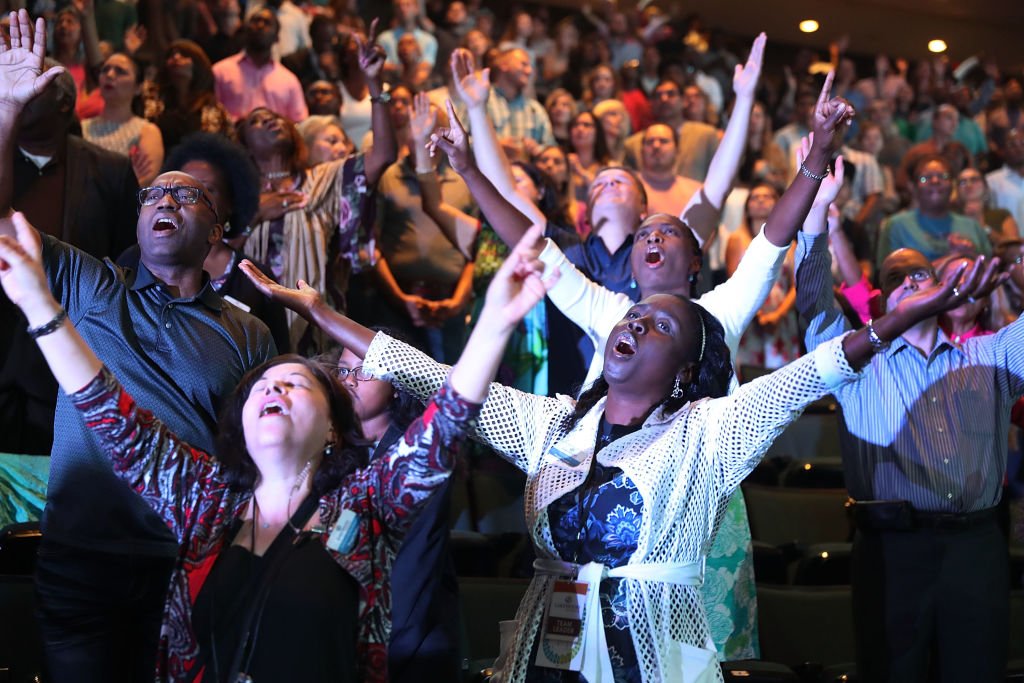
(936, 45)
(808, 26)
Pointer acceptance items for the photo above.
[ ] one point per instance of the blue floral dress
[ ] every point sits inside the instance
(612, 512)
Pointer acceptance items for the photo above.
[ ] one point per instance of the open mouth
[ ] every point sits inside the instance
(625, 344)
(653, 257)
(165, 225)
(272, 408)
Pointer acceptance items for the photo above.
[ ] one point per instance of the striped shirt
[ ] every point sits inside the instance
(928, 430)
(520, 117)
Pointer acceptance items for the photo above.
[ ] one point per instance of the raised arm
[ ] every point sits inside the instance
(460, 228)
(726, 161)
(516, 287)
(474, 88)
(385, 148)
(21, 79)
(90, 42)
(501, 211)
(72, 362)
(831, 117)
(143, 452)
(849, 267)
(742, 426)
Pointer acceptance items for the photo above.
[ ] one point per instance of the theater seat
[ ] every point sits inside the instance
(19, 544)
(820, 473)
(757, 671)
(769, 564)
(800, 624)
(804, 516)
(825, 564)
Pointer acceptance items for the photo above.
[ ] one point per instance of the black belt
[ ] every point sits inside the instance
(900, 515)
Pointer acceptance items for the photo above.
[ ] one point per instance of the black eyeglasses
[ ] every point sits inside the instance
(923, 180)
(183, 194)
(357, 372)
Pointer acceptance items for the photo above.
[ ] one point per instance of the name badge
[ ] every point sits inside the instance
(561, 638)
(343, 534)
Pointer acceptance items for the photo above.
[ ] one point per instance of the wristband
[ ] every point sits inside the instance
(50, 327)
(813, 176)
(877, 345)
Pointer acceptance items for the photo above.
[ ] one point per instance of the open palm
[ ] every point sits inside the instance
(21, 62)
(473, 86)
(301, 300)
(423, 119)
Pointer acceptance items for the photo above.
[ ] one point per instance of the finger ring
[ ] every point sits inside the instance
(285, 205)
(956, 293)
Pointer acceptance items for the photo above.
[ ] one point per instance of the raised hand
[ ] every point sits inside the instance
(371, 55)
(453, 141)
(831, 117)
(518, 284)
(134, 37)
(833, 182)
(961, 285)
(301, 300)
(21, 265)
(423, 119)
(21, 62)
(473, 86)
(744, 80)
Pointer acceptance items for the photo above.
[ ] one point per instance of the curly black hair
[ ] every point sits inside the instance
(234, 163)
(714, 373)
(348, 453)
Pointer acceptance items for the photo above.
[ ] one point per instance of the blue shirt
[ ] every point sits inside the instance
(569, 362)
(592, 258)
(927, 429)
(178, 357)
(930, 236)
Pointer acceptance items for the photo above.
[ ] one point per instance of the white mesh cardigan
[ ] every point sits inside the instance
(685, 465)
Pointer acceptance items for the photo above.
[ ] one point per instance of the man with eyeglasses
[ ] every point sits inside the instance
(105, 560)
(923, 440)
(931, 227)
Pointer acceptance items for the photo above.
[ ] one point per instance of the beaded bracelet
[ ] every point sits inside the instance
(47, 328)
(813, 176)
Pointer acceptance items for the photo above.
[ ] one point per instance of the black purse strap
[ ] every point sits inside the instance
(279, 551)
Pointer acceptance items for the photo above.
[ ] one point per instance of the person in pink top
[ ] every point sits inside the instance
(254, 78)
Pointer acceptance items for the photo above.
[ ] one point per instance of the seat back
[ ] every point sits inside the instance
(781, 515)
(19, 544)
(799, 624)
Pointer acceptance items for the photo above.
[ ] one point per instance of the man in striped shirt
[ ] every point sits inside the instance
(521, 121)
(924, 452)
